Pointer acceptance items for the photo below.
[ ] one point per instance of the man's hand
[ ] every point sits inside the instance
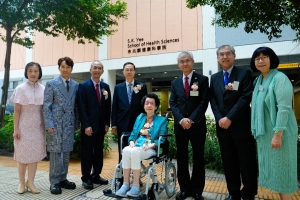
(114, 130)
(106, 128)
(186, 123)
(224, 123)
(51, 130)
(88, 131)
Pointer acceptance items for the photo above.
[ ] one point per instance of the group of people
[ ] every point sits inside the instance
(247, 114)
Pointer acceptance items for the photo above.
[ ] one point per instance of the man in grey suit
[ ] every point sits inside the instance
(60, 122)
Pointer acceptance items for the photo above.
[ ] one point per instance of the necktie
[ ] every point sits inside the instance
(67, 82)
(98, 93)
(129, 92)
(226, 78)
(186, 86)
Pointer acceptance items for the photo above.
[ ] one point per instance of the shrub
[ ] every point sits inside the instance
(6, 133)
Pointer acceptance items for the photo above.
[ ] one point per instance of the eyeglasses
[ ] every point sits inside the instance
(128, 70)
(184, 62)
(263, 58)
(97, 68)
(151, 103)
(225, 54)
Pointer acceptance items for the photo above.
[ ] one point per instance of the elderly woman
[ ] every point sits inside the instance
(29, 131)
(274, 125)
(142, 143)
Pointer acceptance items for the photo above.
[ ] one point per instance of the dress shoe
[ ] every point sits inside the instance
(230, 197)
(21, 190)
(67, 184)
(88, 185)
(55, 189)
(36, 191)
(100, 181)
(247, 198)
(198, 197)
(182, 195)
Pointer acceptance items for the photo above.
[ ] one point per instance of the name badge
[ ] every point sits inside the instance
(261, 88)
(236, 85)
(194, 93)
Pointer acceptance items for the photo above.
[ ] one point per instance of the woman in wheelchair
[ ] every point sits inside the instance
(142, 143)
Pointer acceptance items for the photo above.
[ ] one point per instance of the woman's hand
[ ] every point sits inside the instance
(16, 135)
(277, 141)
(150, 146)
(131, 144)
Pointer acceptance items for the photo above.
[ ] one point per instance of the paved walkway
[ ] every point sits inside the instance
(215, 185)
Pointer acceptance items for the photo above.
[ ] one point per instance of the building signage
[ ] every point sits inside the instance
(288, 65)
(138, 45)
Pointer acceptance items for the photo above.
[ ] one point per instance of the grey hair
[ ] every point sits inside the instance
(226, 45)
(96, 61)
(183, 54)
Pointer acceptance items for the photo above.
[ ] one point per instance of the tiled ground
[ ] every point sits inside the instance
(215, 185)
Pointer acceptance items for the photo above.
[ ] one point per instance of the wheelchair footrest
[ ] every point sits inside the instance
(108, 192)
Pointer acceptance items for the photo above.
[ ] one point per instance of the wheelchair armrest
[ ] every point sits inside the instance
(166, 135)
(124, 135)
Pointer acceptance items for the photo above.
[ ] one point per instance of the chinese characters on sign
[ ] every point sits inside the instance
(138, 45)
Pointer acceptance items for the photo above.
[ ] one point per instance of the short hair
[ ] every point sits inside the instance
(68, 61)
(33, 64)
(225, 45)
(274, 60)
(183, 54)
(152, 96)
(128, 63)
(97, 61)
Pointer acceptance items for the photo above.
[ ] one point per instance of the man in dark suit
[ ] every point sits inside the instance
(94, 102)
(127, 103)
(189, 100)
(231, 91)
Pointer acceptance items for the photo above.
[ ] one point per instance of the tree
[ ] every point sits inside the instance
(86, 20)
(267, 16)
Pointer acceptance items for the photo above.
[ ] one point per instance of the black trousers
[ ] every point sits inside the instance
(240, 166)
(91, 155)
(194, 184)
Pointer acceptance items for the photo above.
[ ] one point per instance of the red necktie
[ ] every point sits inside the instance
(98, 93)
(187, 86)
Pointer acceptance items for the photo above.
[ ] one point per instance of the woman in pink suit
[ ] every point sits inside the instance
(29, 131)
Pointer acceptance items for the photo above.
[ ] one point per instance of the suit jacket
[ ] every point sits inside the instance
(234, 104)
(159, 128)
(192, 107)
(124, 114)
(91, 113)
(60, 113)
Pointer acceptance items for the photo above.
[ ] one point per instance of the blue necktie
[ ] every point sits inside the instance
(129, 92)
(226, 78)
(67, 82)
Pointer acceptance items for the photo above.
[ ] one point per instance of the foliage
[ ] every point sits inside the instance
(212, 154)
(6, 133)
(263, 15)
(84, 20)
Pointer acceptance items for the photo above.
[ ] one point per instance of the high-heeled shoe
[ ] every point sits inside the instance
(21, 191)
(37, 191)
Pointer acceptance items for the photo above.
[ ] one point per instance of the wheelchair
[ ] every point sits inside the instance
(152, 190)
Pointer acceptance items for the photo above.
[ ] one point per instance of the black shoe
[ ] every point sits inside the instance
(247, 198)
(88, 185)
(230, 197)
(198, 197)
(55, 189)
(67, 184)
(100, 181)
(182, 195)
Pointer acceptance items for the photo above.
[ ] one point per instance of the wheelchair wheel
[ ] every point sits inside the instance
(170, 179)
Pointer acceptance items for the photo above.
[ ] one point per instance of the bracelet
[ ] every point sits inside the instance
(278, 132)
